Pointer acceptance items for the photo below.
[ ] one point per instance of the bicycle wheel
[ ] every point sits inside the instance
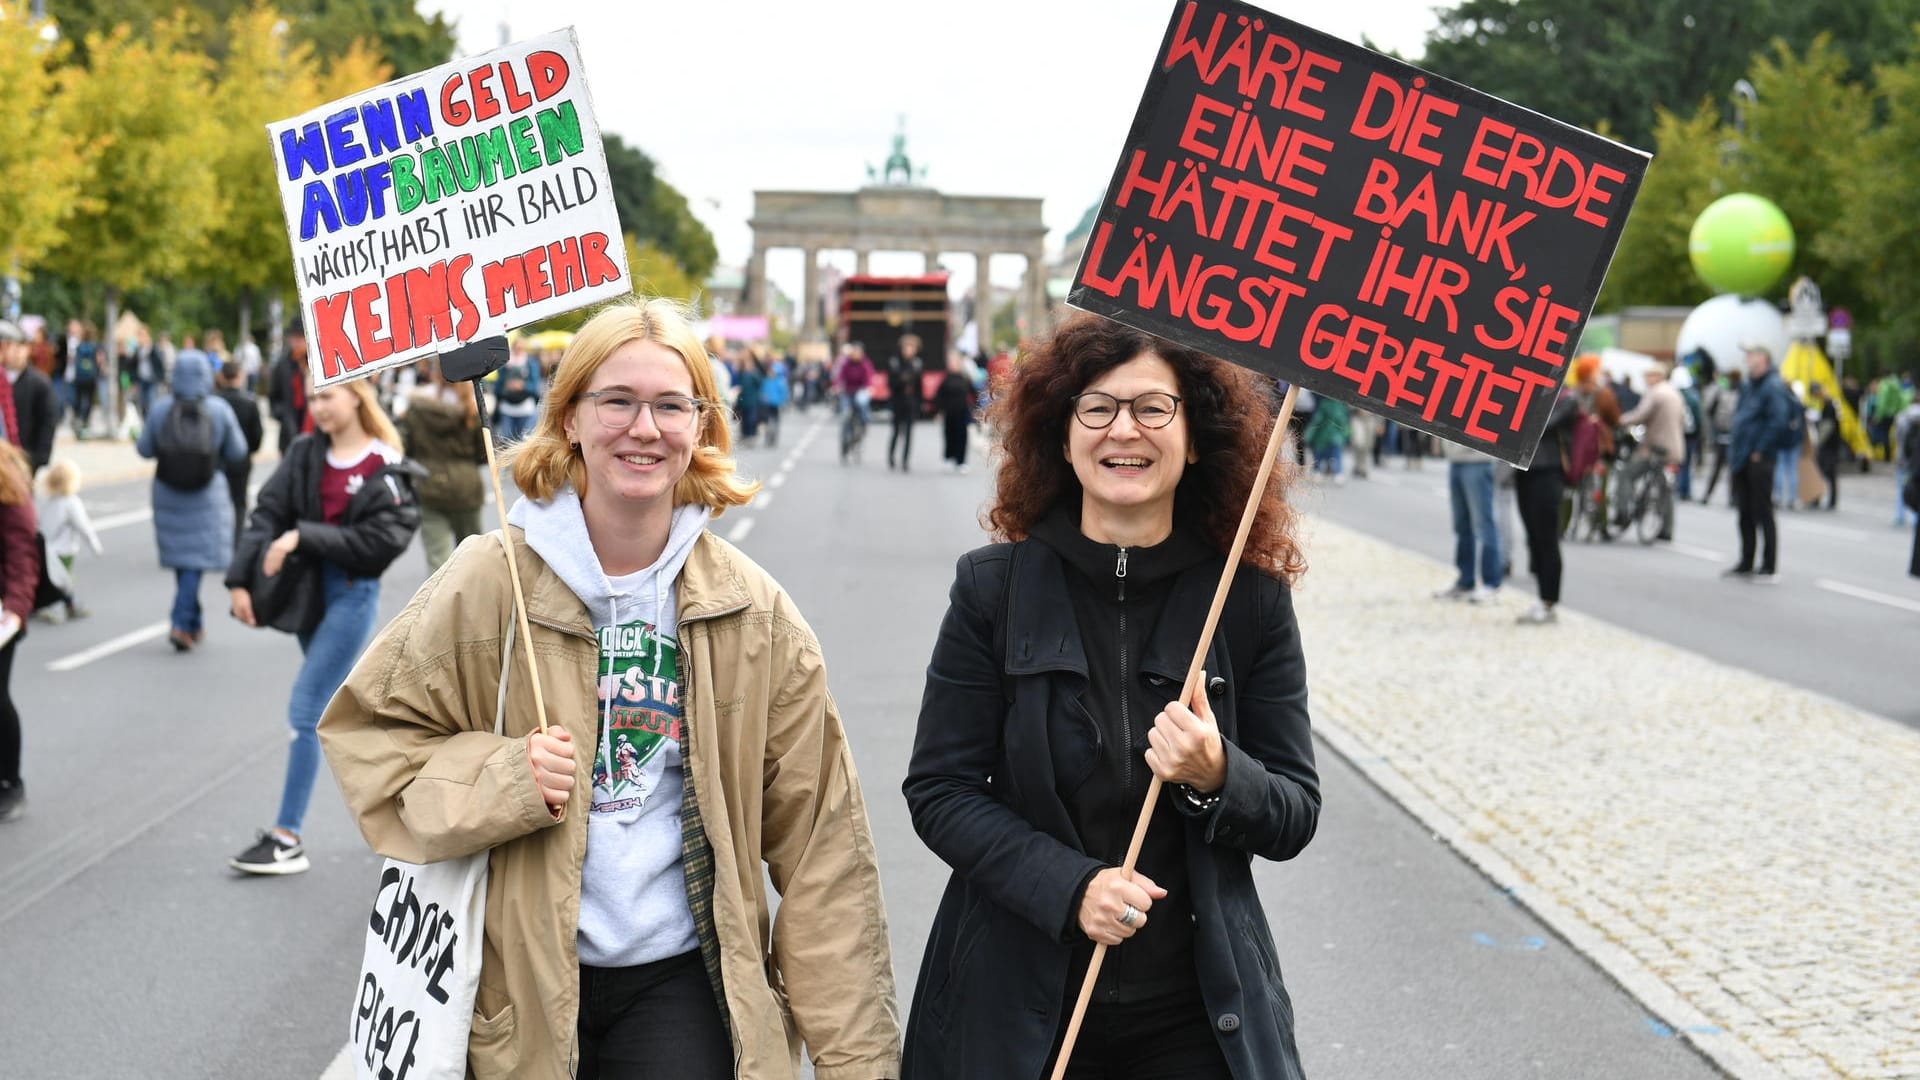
(1652, 512)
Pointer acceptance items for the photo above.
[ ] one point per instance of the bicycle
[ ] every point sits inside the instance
(853, 428)
(1650, 503)
(1587, 519)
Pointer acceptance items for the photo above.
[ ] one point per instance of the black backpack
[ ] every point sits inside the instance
(184, 454)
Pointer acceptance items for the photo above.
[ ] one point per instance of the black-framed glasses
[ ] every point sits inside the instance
(1097, 410)
(672, 413)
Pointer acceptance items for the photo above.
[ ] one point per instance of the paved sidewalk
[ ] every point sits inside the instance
(1743, 856)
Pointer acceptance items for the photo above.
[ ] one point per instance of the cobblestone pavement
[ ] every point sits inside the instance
(1741, 855)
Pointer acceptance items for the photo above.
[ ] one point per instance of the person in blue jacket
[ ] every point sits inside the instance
(193, 525)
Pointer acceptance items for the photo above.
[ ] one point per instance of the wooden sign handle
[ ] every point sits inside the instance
(1187, 697)
(513, 564)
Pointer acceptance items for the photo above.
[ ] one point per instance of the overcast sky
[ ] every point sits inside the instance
(1001, 97)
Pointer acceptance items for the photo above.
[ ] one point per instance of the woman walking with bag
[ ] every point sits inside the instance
(694, 753)
(330, 520)
(1048, 709)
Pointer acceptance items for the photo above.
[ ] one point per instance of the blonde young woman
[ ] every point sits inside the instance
(694, 753)
(340, 508)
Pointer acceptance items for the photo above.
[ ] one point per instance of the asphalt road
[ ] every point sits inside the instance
(1841, 621)
(130, 950)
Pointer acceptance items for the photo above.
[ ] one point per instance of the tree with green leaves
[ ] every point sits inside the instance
(1877, 231)
(264, 76)
(42, 159)
(1652, 265)
(1617, 61)
(393, 29)
(151, 193)
(655, 212)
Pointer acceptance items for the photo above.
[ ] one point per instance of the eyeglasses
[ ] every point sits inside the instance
(672, 413)
(1096, 410)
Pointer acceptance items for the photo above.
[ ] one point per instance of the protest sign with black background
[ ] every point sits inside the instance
(1339, 219)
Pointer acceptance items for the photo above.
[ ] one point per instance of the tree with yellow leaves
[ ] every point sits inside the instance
(42, 160)
(150, 195)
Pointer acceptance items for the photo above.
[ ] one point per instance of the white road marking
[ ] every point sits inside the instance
(1838, 532)
(128, 517)
(1692, 552)
(740, 531)
(1857, 592)
(108, 648)
(760, 501)
(777, 479)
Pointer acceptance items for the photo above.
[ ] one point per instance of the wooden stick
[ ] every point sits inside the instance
(513, 563)
(1187, 693)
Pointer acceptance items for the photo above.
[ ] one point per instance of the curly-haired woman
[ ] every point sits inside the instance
(1049, 705)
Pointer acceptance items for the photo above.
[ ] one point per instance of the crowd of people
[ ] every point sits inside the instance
(689, 750)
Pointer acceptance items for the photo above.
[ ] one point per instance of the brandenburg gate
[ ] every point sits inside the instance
(898, 215)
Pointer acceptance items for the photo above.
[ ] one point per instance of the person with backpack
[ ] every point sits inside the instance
(517, 398)
(1722, 401)
(83, 371)
(337, 511)
(1769, 421)
(191, 437)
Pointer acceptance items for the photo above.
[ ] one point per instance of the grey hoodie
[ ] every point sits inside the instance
(633, 897)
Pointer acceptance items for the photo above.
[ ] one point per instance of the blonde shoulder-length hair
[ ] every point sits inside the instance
(545, 461)
(373, 419)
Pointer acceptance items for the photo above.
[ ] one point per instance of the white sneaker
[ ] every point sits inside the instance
(1452, 592)
(1537, 615)
(1483, 595)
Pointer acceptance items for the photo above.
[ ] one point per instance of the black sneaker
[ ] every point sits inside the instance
(271, 855)
(13, 799)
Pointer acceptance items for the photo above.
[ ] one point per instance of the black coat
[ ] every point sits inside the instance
(997, 733)
(38, 414)
(380, 521)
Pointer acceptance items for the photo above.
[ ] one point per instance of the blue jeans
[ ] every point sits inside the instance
(331, 649)
(186, 601)
(514, 428)
(1470, 483)
(1786, 478)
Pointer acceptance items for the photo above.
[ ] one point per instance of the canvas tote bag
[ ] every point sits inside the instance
(420, 966)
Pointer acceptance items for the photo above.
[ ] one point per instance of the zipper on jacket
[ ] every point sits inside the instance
(1126, 719)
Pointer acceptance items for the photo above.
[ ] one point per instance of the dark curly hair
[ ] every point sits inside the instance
(1230, 412)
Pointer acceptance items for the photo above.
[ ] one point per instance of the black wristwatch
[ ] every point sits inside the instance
(1195, 800)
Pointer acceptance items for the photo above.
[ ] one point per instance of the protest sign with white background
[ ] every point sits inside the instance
(453, 204)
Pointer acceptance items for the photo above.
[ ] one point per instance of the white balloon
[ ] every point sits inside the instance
(1725, 323)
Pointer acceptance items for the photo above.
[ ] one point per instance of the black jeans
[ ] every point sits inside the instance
(1163, 1039)
(1753, 494)
(1538, 491)
(652, 1022)
(9, 716)
(1720, 445)
(902, 437)
(1827, 460)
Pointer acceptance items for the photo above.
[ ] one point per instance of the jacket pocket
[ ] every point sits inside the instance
(492, 1051)
(973, 928)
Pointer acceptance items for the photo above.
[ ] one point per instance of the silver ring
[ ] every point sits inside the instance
(1129, 916)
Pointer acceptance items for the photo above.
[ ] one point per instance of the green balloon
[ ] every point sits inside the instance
(1741, 244)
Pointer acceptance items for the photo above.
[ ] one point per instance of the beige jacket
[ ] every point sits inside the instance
(410, 737)
(1664, 412)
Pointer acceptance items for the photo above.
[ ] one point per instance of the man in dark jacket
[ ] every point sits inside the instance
(1762, 427)
(34, 412)
(441, 427)
(287, 388)
(232, 388)
(904, 397)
